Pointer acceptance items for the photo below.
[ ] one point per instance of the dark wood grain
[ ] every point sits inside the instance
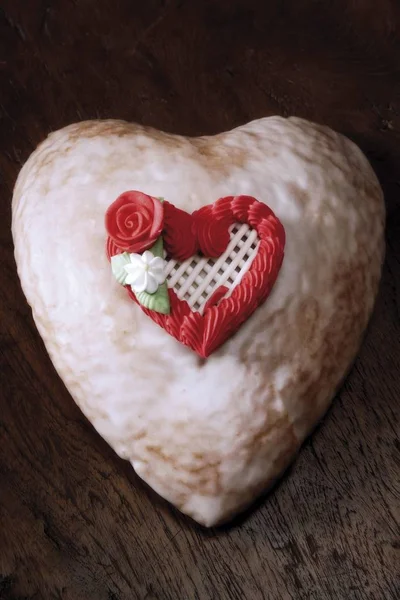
(75, 521)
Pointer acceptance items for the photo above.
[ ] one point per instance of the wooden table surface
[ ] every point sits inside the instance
(75, 521)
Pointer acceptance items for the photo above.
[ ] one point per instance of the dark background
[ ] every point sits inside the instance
(75, 521)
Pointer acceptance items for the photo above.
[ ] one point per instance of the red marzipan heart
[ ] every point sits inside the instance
(206, 231)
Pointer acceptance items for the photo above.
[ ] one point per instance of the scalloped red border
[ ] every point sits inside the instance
(205, 230)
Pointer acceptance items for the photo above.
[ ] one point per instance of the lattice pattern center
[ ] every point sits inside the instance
(197, 278)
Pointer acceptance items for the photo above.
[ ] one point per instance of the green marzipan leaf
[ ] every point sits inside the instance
(159, 302)
(158, 248)
(117, 265)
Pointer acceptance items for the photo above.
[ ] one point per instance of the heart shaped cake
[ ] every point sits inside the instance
(205, 333)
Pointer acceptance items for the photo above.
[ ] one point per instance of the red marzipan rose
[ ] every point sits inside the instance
(135, 221)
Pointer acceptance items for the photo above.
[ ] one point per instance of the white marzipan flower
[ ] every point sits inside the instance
(145, 272)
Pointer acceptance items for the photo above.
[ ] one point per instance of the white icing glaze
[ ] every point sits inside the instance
(207, 435)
